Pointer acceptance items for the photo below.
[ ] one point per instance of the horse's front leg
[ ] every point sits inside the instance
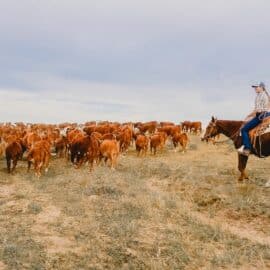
(242, 163)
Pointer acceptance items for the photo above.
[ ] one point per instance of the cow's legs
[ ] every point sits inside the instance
(8, 164)
(15, 160)
(113, 160)
(46, 162)
(29, 165)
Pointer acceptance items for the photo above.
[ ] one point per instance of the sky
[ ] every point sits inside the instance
(120, 60)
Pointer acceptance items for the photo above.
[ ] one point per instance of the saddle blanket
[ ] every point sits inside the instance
(262, 128)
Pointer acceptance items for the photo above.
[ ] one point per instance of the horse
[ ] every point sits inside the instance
(231, 129)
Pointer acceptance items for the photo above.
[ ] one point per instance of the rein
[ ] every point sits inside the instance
(230, 138)
(223, 141)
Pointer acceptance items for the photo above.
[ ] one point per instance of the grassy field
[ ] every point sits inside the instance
(170, 211)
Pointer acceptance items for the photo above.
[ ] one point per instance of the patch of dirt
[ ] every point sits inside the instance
(2, 266)
(48, 215)
(58, 244)
(238, 229)
(7, 191)
(50, 238)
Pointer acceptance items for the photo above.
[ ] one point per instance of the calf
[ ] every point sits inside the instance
(39, 155)
(141, 144)
(125, 138)
(78, 150)
(109, 149)
(170, 130)
(61, 146)
(14, 152)
(93, 152)
(156, 141)
(85, 148)
(30, 138)
(149, 127)
(182, 139)
(196, 127)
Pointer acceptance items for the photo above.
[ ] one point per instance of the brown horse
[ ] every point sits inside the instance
(231, 129)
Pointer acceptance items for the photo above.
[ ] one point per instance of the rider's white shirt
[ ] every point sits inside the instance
(261, 102)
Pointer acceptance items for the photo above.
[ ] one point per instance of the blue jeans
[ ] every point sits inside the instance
(250, 125)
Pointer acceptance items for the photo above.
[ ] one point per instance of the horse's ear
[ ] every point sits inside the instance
(213, 119)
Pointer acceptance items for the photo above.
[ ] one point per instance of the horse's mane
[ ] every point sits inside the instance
(229, 126)
(231, 121)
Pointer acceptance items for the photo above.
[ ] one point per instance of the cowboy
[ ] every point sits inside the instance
(260, 112)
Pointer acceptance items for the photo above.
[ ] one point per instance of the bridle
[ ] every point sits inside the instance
(213, 125)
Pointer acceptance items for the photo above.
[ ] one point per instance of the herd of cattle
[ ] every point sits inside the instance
(91, 142)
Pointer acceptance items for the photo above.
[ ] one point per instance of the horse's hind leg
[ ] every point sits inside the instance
(242, 163)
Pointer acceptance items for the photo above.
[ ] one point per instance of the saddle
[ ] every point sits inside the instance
(262, 128)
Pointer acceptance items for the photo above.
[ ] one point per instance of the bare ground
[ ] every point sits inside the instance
(172, 211)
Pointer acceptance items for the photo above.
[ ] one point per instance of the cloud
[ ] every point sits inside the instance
(138, 60)
(57, 100)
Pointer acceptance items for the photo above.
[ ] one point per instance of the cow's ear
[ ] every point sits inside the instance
(213, 119)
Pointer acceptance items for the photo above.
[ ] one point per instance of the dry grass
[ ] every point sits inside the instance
(171, 211)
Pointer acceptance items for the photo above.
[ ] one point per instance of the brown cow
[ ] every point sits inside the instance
(170, 130)
(103, 129)
(61, 146)
(90, 123)
(196, 127)
(73, 135)
(163, 135)
(162, 124)
(85, 148)
(109, 149)
(39, 155)
(93, 152)
(78, 150)
(186, 126)
(141, 144)
(3, 146)
(192, 127)
(124, 136)
(14, 152)
(30, 138)
(149, 127)
(181, 138)
(157, 141)
(89, 129)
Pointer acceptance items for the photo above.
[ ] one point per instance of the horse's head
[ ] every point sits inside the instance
(211, 129)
